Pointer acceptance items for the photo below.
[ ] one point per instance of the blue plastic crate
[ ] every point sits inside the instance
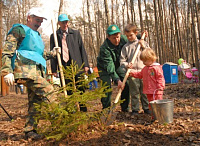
(170, 71)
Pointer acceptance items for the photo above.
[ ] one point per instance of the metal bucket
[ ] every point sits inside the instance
(163, 110)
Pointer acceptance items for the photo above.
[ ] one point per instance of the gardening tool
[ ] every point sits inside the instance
(111, 115)
(58, 57)
(6, 112)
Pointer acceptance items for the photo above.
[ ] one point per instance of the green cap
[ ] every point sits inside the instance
(112, 29)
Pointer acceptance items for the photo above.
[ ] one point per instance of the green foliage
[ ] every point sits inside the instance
(62, 118)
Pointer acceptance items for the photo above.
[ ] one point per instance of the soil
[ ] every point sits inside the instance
(126, 130)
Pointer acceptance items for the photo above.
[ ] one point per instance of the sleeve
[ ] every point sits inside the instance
(146, 45)
(136, 74)
(107, 63)
(13, 40)
(54, 61)
(160, 78)
(82, 50)
(48, 55)
(123, 58)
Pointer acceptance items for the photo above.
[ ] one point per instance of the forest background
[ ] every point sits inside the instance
(173, 25)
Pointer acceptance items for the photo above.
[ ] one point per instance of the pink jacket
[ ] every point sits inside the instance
(153, 78)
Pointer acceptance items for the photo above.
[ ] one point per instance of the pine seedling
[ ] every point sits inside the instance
(61, 119)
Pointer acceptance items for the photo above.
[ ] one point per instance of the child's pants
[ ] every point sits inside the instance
(150, 98)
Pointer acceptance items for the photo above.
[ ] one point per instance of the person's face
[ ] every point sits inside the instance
(34, 22)
(131, 36)
(148, 62)
(63, 25)
(114, 39)
(90, 65)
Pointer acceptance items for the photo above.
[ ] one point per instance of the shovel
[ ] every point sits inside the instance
(112, 115)
(58, 57)
(6, 112)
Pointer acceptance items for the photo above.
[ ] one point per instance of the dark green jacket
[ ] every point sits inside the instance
(108, 61)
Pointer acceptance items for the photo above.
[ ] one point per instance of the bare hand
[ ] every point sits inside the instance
(86, 69)
(130, 65)
(146, 33)
(56, 50)
(120, 85)
(55, 75)
(130, 74)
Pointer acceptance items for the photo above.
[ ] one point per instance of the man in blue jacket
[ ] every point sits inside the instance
(23, 62)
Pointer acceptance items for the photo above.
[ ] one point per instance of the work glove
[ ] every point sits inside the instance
(9, 79)
(56, 50)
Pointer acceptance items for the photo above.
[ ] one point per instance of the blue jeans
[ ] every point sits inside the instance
(95, 84)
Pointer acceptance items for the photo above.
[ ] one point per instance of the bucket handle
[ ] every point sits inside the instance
(154, 94)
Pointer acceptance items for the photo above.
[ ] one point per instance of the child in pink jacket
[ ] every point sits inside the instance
(152, 75)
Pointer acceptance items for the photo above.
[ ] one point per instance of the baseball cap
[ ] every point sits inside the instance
(112, 29)
(36, 11)
(63, 17)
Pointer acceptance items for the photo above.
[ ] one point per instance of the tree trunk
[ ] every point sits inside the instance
(176, 29)
(112, 12)
(19, 12)
(197, 12)
(90, 33)
(140, 12)
(123, 16)
(162, 47)
(117, 14)
(107, 13)
(132, 11)
(167, 34)
(1, 32)
(194, 36)
(127, 11)
(147, 22)
(157, 30)
(61, 10)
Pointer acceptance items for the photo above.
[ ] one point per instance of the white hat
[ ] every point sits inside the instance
(36, 12)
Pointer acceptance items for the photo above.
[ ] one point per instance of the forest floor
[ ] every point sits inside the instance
(126, 129)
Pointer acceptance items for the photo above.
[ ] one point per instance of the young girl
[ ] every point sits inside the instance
(152, 75)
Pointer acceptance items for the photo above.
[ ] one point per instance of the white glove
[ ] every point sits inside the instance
(55, 50)
(9, 79)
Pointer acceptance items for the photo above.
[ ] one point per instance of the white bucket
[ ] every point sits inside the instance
(163, 110)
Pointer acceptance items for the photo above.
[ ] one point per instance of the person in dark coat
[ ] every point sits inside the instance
(72, 48)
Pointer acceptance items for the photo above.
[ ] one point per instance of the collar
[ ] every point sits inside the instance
(61, 31)
(133, 41)
(64, 31)
(155, 63)
(111, 46)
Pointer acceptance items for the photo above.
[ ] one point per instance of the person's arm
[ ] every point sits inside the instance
(83, 53)
(124, 58)
(136, 74)
(54, 61)
(13, 41)
(108, 65)
(160, 79)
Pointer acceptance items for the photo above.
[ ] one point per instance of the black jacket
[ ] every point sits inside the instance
(76, 49)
